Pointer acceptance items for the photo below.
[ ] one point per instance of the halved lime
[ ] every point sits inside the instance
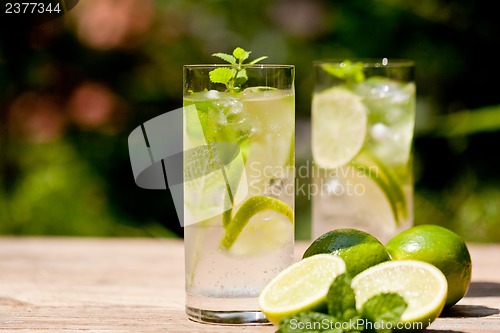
(302, 286)
(422, 286)
(339, 126)
(440, 247)
(247, 210)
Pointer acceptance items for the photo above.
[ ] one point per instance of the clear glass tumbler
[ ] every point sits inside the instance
(363, 115)
(238, 189)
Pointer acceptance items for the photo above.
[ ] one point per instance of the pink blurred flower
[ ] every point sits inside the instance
(92, 105)
(107, 24)
(36, 117)
(301, 18)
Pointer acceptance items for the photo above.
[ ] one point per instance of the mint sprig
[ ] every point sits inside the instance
(341, 300)
(383, 311)
(347, 70)
(235, 76)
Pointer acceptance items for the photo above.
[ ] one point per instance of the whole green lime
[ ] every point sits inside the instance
(440, 247)
(359, 249)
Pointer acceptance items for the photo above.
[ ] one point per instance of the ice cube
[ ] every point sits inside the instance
(376, 87)
(212, 94)
(229, 111)
(379, 132)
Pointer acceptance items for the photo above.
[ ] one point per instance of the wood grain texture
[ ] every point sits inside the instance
(137, 285)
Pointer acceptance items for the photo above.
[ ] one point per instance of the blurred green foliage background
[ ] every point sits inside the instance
(72, 89)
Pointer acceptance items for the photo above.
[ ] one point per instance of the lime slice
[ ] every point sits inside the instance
(422, 286)
(302, 286)
(339, 126)
(265, 232)
(387, 181)
(247, 210)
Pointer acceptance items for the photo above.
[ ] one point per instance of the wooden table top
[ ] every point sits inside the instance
(137, 285)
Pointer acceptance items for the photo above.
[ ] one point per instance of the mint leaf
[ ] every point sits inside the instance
(309, 322)
(241, 54)
(257, 60)
(221, 75)
(226, 57)
(384, 309)
(341, 300)
(241, 78)
(348, 71)
(238, 76)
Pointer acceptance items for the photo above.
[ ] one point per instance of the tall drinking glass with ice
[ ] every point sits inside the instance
(239, 124)
(363, 115)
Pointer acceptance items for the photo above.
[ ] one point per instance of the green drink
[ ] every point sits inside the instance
(238, 190)
(362, 130)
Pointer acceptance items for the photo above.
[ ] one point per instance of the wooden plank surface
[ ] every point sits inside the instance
(137, 285)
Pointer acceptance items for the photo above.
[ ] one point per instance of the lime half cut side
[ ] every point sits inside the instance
(302, 286)
(339, 126)
(422, 285)
(249, 209)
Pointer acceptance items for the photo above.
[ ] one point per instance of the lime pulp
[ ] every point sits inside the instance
(302, 286)
(422, 285)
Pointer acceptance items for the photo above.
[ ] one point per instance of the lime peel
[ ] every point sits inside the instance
(359, 249)
(247, 210)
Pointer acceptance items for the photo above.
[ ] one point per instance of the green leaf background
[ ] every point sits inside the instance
(80, 181)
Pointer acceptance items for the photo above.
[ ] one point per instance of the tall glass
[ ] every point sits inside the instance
(239, 156)
(363, 115)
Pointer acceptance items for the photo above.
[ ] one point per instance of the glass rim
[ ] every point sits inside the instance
(369, 62)
(255, 66)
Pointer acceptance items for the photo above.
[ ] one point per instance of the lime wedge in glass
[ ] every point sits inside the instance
(249, 209)
(422, 286)
(302, 286)
(339, 126)
(267, 231)
(386, 180)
